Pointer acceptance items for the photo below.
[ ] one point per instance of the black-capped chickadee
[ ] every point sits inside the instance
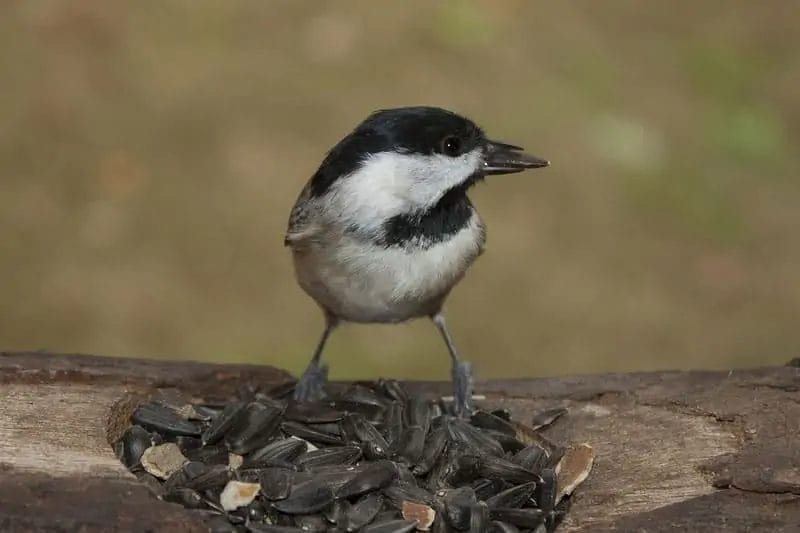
(384, 229)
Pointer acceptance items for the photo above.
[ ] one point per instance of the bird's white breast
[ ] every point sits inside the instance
(361, 281)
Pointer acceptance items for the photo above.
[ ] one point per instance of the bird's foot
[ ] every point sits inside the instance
(462, 388)
(311, 385)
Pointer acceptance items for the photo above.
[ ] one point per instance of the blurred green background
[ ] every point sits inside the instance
(150, 152)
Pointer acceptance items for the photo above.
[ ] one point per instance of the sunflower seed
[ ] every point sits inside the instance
(393, 390)
(485, 420)
(374, 476)
(524, 518)
(163, 460)
(547, 417)
(133, 443)
(337, 512)
(339, 455)
(222, 423)
(215, 477)
(546, 492)
(458, 506)
(472, 438)
(399, 492)
(516, 496)
(253, 428)
(479, 518)
(270, 528)
(210, 455)
(573, 469)
(276, 483)
(312, 433)
(394, 423)
(280, 451)
(418, 413)
(312, 413)
(411, 444)
(532, 458)
(497, 468)
(363, 511)
(434, 445)
(502, 527)
(186, 497)
(312, 522)
(356, 428)
(156, 417)
(391, 526)
(419, 513)
(306, 498)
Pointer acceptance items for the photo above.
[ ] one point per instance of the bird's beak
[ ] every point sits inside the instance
(504, 158)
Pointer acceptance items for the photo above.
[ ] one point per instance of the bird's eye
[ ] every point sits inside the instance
(451, 145)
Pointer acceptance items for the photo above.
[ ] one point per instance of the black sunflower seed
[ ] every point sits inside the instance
(253, 428)
(276, 483)
(486, 488)
(311, 433)
(307, 497)
(458, 506)
(391, 526)
(222, 422)
(188, 443)
(502, 527)
(339, 455)
(411, 444)
(165, 420)
(336, 513)
(270, 528)
(472, 438)
(418, 413)
(394, 423)
(497, 468)
(280, 451)
(532, 458)
(210, 455)
(214, 478)
(546, 494)
(374, 476)
(393, 390)
(356, 428)
(524, 518)
(516, 496)
(400, 491)
(363, 511)
(312, 413)
(547, 417)
(133, 443)
(186, 497)
(485, 420)
(509, 444)
(434, 445)
(313, 522)
(479, 518)
(334, 475)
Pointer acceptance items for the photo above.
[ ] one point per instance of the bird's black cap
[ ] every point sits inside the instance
(414, 130)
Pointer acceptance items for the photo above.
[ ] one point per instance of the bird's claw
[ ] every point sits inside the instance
(462, 388)
(311, 385)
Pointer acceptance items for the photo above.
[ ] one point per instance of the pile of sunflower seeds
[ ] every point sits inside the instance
(372, 458)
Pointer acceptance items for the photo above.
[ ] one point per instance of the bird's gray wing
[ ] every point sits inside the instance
(303, 226)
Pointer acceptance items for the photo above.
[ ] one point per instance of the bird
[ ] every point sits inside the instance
(384, 229)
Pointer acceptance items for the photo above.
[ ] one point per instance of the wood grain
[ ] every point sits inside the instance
(699, 451)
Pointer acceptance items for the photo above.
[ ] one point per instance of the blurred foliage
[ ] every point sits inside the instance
(150, 153)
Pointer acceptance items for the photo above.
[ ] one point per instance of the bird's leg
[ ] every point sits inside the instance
(310, 386)
(461, 371)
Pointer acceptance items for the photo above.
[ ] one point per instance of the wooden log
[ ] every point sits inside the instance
(698, 451)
